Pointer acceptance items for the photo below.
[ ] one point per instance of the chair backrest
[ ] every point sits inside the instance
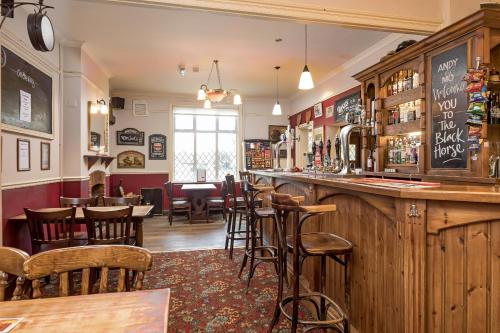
(108, 227)
(223, 189)
(77, 202)
(231, 190)
(102, 257)
(122, 201)
(245, 176)
(54, 227)
(11, 262)
(169, 187)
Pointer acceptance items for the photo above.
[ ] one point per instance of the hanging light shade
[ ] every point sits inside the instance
(277, 109)
(306, 81)
(93, 108)
(201, 93)
(207, 104)
(237, 99)
(277, 106)
(104, 109)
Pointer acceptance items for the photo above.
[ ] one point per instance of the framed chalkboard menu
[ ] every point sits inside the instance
(26, 95)
(345, 105)
(448, 148)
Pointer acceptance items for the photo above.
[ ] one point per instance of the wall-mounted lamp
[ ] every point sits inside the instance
(40, 29)
(99, 107)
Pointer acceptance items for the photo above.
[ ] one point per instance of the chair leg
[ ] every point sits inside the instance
(224, 217)
(245, 256)
(322, 283)
(189, 215)
(228, 230)
(170, 216)
(253, 234)
(231, 234)
(241, 218)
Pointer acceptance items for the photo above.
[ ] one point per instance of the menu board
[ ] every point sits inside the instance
(345, 105)
(258, 154)
(26, 94)
(448, 106)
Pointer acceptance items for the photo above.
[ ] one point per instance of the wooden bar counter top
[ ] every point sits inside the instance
(426, 256)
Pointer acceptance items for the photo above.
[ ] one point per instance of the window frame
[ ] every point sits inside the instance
(195, 112)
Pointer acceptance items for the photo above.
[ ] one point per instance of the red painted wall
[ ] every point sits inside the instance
(13, 203)
(75, 189)
(133, 182)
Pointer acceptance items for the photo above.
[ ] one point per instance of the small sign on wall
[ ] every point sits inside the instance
(130, 137)
(157, 147)
(130, 159)
(23, 155)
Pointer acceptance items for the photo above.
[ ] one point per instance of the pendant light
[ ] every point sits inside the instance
(277, 106)
(306, 81)
(207, 104)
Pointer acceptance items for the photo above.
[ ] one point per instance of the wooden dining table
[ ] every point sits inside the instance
(138, 215)
(136, 311)
(198, 195)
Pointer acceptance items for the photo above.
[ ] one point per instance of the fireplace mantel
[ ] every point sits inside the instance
(92, 159)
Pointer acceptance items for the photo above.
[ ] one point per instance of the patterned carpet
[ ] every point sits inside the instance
(207, 296)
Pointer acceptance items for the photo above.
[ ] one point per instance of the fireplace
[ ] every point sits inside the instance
(97, 184)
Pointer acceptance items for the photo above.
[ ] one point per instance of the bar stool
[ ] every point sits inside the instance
(256, 216)
(303, 245)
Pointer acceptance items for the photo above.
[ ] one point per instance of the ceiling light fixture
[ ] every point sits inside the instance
(216, 95)
(306, 81)
(277, 106)
(40, 29)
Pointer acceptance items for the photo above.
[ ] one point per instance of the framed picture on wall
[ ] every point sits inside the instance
(275, 132)
(157, 147)
(318, 110)
(23, 155)
(131, 159)
(45, 155)
(329, 112)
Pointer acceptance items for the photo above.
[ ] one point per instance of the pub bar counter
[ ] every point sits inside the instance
(426, 254)
(424, 259)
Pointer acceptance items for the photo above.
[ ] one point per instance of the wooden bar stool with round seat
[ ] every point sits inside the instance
(254, 231)
(302, 245)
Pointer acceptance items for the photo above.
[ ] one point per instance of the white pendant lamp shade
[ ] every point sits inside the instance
(207, 104)
(306, 80)
(237, 99)
(277, 106)
(201, 94)
(94, 108)
(277, 109)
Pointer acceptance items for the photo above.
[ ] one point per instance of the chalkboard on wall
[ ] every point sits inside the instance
(23, 85)
(345, 105)
(448, 106)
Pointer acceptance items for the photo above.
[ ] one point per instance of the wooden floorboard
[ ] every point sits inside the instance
(181, 236)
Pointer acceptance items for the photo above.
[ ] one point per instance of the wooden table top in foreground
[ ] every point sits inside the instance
(137, 311)
(139, 211)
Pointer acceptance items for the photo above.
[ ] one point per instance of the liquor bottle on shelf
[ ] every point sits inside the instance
(407, 82)
(400, 81)
(389, 87)
(395, 84)
(390, 117)
(370, 161)
(418, 110)
(396, 115)
(390, 150)
(494, 109)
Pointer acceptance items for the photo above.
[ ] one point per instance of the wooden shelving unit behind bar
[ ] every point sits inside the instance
(479, 36)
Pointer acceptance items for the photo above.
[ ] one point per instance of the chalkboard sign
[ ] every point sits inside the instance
(345, 105)
(26, 94)
(448, 106)
(130, 137)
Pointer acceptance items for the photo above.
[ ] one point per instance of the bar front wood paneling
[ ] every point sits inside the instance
(436, 272)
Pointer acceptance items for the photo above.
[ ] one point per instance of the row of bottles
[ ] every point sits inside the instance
(494, 108)
(402, 81)
(405, 112)
(403, 149)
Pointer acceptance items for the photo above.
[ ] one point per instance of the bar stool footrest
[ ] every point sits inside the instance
(272, 250)
(339, 316)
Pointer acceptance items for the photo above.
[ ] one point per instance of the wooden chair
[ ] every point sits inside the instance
(122, 201)
(100, 258)
(177, 205)
(77, 202)
(235, 208)
(11, 262)
(51, 229)
(109, 227)
(218, 204)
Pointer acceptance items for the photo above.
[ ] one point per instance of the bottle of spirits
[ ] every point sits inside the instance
(395, 84)
(369, 163)
(418, 110)
(390, 118)
(406, 82)
(389, 87)
(396, 115)
(390, 151)
(415, 79)
(400, 81)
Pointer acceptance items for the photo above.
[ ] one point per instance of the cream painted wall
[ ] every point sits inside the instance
(454, 10)
(256, 117)
(84, 81)
(14, 36)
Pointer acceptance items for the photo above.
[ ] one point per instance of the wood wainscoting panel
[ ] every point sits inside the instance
(463, 278)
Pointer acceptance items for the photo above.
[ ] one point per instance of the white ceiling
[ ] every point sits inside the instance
(141, 47)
